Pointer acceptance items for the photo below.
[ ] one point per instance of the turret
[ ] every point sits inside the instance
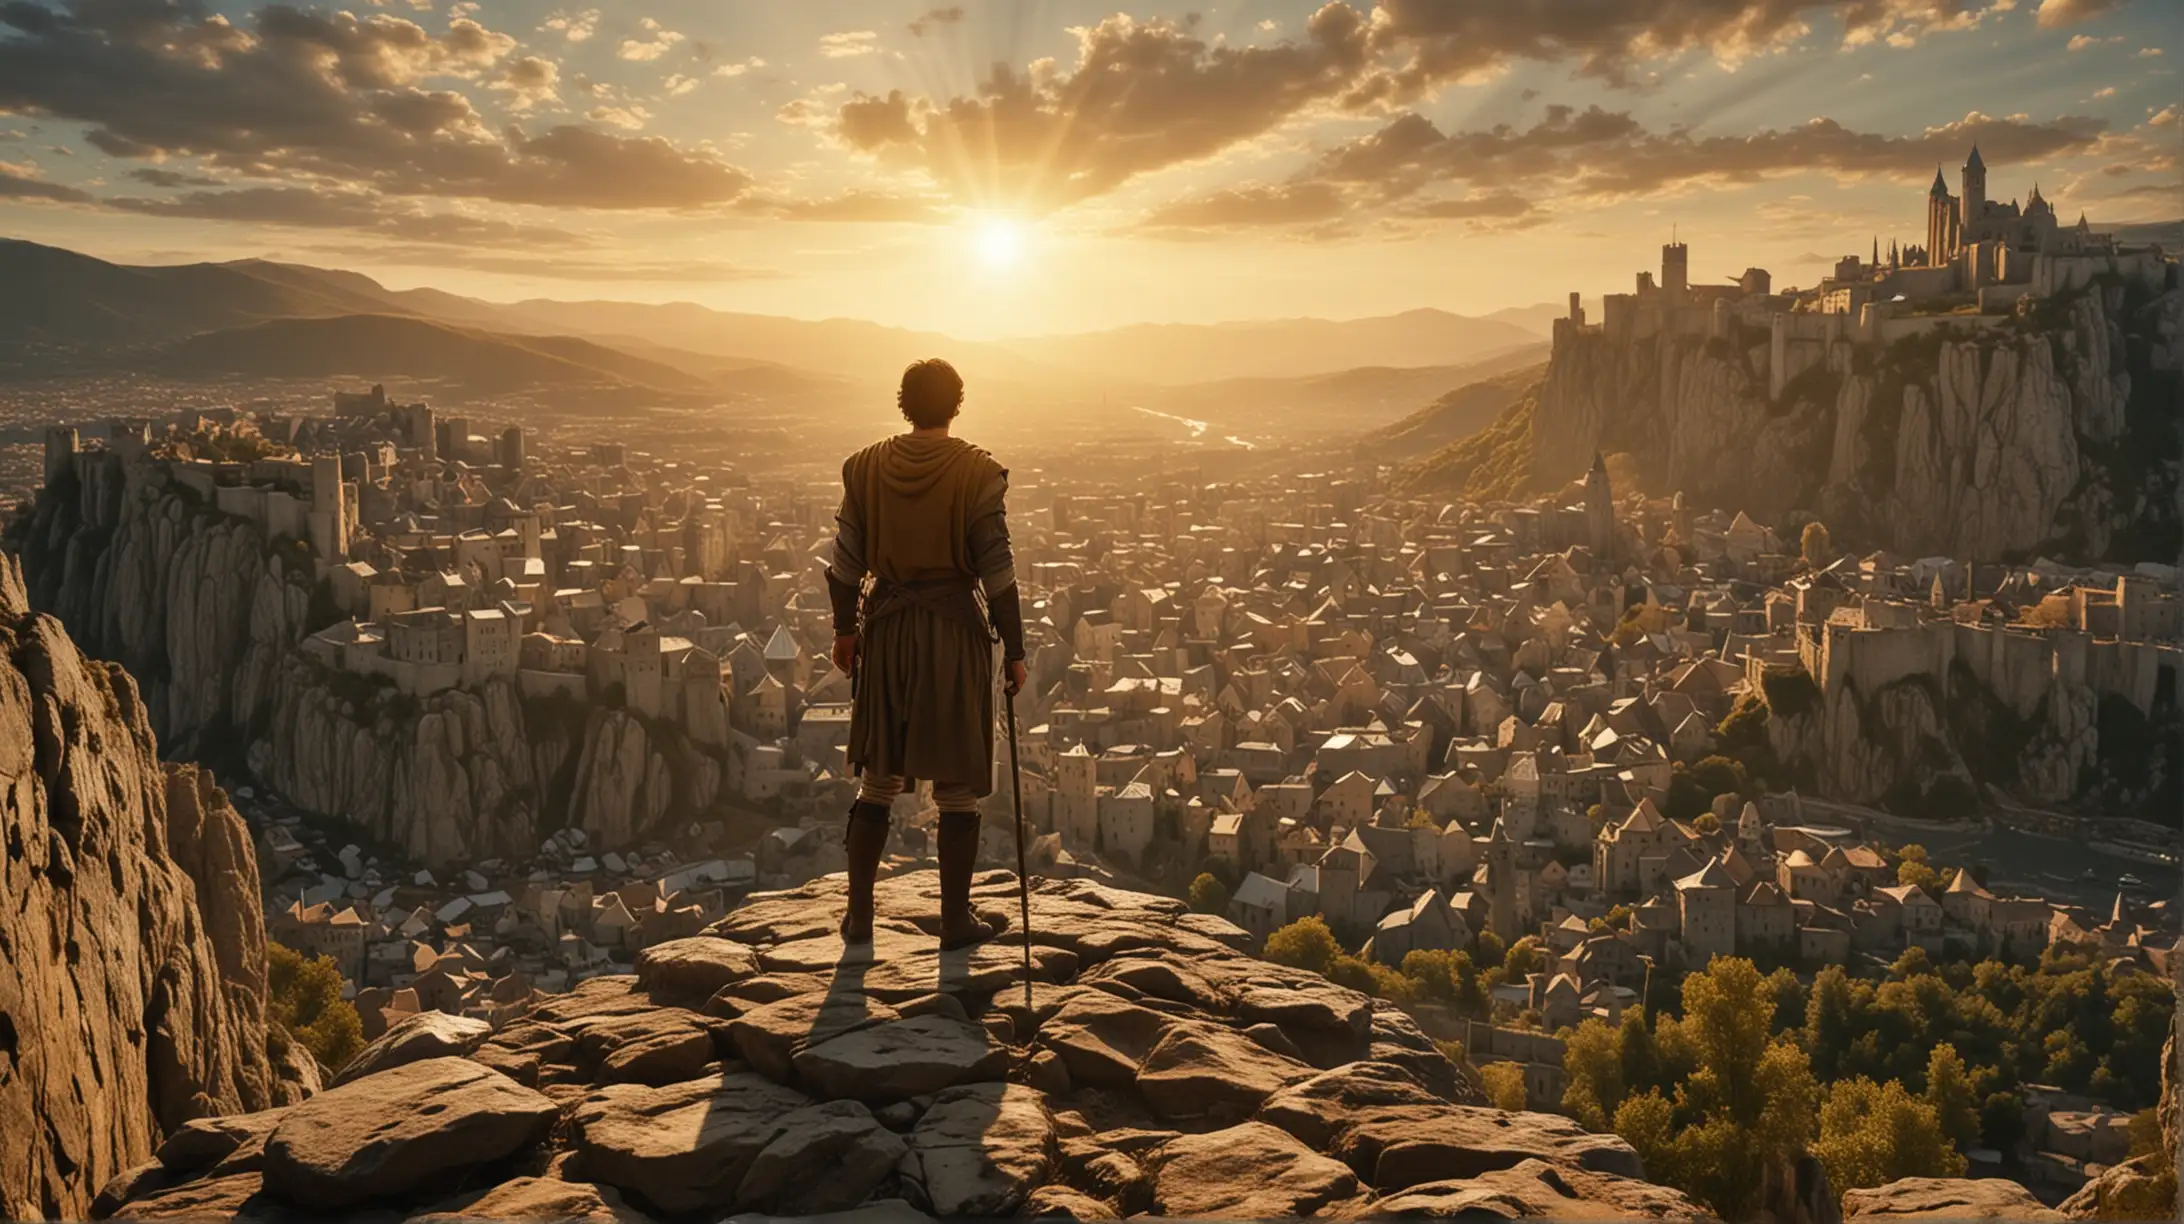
(1975, 193)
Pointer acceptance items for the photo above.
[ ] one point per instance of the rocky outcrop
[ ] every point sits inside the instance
(2043, 434)
(2143, 1188)
(898, 1080)
(1946, 1198)
(199, 606)
(132, 954)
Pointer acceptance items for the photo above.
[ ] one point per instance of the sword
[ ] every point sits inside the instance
(1023, 881)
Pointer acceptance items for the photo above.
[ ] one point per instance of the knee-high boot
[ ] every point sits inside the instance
(864, 841)
(959, 926)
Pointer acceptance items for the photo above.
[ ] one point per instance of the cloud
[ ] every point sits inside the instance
(19, 182)
(657, 41)
(1596, 155)
(934, 19)
(532, 81)
(1437, 41)
(576, 27)
(1142, 96)
(2079, 42)
(157, 177)
(303, 96)
(2106, 91)
(628, 118)
(1250, 207)
(2149, 53)
(2053, 13)
(739, 67)
(600, 267)
(677, 85)
(849, 43)
(856, 206)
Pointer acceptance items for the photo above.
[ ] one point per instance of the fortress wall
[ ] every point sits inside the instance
(1873, 659)
(2129, 670)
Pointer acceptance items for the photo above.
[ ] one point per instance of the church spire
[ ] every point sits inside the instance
(1941, 185)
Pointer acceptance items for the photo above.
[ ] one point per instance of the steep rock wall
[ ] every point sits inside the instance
(199, 606)
(2055, 432)
(132, 954)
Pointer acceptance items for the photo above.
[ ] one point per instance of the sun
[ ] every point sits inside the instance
(1000, 242)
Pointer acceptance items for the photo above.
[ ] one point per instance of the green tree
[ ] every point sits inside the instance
(304, 1004)
(1307, 943)
(1815, 546)
(1432, 974)
(1487, 950)
(1504, 1084)
(1352, 972)
(1949, 1092)
(1592, 1065)
(1208, 894)
(1742, 1101)
(1523, 957)
(1872, 1134)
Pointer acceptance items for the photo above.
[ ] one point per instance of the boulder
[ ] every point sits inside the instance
(1101, 1038)
(901, 1059)
(431, 1034)
(981, 1149)
(684, 1147)
(1059, 1202)
(1317, 1109)
(1208, 1069)
(690, 971)
(1407, 1145)
(1106, 1173)
(524, 1051)
(1162, 975)
(663, 1046)
(882, 1211)
(1946, 1198)
(533, 1200)
(825, 1157)
(1535, 1189)
(385, 1134)
(1248, 1171)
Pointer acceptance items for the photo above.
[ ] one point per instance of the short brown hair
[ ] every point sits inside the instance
(931, 394)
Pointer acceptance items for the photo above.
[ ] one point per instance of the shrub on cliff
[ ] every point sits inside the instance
(305, 1005)
(1872, 1134)
(1208, 894)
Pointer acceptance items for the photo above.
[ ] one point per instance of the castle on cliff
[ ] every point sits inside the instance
(1954, 223)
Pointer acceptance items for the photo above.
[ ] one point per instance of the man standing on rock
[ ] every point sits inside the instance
(922, 515)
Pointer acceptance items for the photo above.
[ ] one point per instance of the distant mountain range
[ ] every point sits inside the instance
(256, 317)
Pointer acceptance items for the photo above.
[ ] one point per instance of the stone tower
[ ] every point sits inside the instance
(1675, 268)
(1599, 510)
(1501, 871)
(1940, 222)
(1975, 196)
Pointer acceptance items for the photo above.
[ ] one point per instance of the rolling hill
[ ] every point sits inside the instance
(369, 347)
(1456, 415)
(1181, 353)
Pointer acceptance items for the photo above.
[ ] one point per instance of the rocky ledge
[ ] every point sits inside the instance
(1155, 1068)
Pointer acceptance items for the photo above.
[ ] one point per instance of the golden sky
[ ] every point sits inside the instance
(1013, 167)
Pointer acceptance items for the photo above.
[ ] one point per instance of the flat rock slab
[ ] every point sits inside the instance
(1535, 1189)
(1401, 1146)
(902, 1059)
(1250, 1171)
(984, 969)
(1946, 1198)
(211, 1198)
(981, 1150)
(689, 971)
(827, 953)
(611, 995)
(523, 1051)
(882, 1211)
(822, 1158)
(415, 1038)
(683, 1147)
(1206, 1069)
(537, 1199)
(769, 1037)
(201, 1143)
(1164, 976)
(383, 1135)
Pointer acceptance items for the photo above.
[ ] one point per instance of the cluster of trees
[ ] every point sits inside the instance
(304, 1006)
(1461, 980)
(1878, 1080)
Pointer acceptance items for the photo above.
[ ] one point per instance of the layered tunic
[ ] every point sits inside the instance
(923, 516)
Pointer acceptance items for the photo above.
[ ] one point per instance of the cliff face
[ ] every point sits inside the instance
(207, 614)
(2054, 433)
(195, 604)
(132, 951)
